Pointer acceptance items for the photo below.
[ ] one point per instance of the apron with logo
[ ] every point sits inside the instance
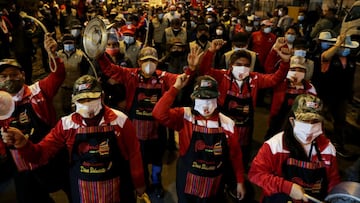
(201, 169)
(147, 94)
(239, 107)
(95, 165)
(309, 175)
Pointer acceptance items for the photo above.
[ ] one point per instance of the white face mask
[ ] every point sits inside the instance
(89, 109)
(75, 32)
(148, 67)
(240, 72)
(295, 76)
(300, 52)
(305, 133)
(267, 29)
(128, 39)
(205, 106)
(219, 32)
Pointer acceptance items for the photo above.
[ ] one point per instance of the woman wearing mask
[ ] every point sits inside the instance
(238, 87)
(115, 93)
(298, 161)
(144, 87)
(285, 92)
(283, 46)
(207, 143)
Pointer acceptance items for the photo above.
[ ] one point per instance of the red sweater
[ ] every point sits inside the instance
(181, 119)
(266, 168)
(63, 134)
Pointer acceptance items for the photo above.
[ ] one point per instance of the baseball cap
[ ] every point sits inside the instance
(307, 107)
(298, 62)
(86, 87)
(148, 53)
(128, 29)
(6, 63)
(206, 87)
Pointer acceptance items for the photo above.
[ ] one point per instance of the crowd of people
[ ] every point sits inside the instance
(196, 70)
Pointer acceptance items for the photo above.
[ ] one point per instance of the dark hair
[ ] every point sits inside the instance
(175, 22)
(241, 39)
(239, 54)
(285, 9)
(300, 43)
(290, 142)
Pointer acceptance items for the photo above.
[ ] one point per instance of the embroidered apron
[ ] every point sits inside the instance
(310, 175)
(95, 168)
(146, 95)
(239, 107)
(200, 170)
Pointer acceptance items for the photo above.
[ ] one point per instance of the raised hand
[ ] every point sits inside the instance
(340, 40)
(50, 44)
(181, 81)
(216, 44)
(194, 57)
(280, 42)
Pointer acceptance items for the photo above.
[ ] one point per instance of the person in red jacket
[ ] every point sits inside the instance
(144, 87)
(285, 92)
(208, 145)
(298, 161)
(262, 41)
(100, 142)
(238, 88)
(34, 115)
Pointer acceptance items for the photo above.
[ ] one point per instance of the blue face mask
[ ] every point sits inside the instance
(325, 45)
(69, 47)
(301, 53)
(343, 52)
(290, 38)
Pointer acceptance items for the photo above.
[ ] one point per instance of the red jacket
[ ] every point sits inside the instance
(181, 119)
(257, 80)
(42, 93)
(130, 78)
(266, 168)
(273, 59)
(63, 134)
(280, 93)
(261, 43)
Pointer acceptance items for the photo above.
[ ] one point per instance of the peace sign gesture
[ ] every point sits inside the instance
(194, 57)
